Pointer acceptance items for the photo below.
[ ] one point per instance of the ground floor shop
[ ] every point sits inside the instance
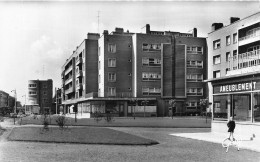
(237, 97)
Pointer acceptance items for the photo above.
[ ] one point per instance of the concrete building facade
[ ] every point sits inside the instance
(233, 70)
(138, 73)
(40, 95)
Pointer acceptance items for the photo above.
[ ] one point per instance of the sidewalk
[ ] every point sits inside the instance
(219, 137)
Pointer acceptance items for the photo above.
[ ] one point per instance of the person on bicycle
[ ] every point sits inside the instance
(231, 127)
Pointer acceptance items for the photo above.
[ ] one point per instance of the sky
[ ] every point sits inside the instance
(36, 38)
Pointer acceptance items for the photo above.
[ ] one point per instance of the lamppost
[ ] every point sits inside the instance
(14, 100)
(24, 102)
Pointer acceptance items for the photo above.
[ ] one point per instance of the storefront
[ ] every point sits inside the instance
(238, 97)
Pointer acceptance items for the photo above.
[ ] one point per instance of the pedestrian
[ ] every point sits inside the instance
(231, 127)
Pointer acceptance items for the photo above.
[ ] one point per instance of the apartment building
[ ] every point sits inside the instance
(233, 73)
(4, 99)
(80, 75)
(39, 96)
(137, 74)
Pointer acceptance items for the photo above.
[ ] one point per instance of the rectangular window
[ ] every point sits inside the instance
(151, 91)
(111, 77)
(196, 64)
(32, 85)
(112, 62)
(111, 91)
(195, 91)
(151, 47)
(151, 76)
(228, 40)
(216, 74)
(32, 93)
(44, 86)
(44, 92)
(235, 38)
(216, 44)
(194, 50)
(111, 48)
(194, 77)
(216, 59)
(227, 56)
(151, 62)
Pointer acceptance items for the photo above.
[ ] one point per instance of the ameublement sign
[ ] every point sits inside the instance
(237, 87)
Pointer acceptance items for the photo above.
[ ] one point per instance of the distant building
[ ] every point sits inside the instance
(4, 99)
(39, 94)
(137, 74)
(233, 73)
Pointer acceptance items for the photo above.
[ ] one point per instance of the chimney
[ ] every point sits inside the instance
(93, 36)
(105, 32)
(216, 26)
(119, 30)
(234, 19)
(148, 29)
(194, 32)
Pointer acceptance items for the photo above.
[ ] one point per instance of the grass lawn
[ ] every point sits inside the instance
(83, 135)
(176, 122)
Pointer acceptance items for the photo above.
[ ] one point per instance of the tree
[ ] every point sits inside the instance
(203, 106)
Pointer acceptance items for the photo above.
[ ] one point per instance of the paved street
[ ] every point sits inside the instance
(171, 148)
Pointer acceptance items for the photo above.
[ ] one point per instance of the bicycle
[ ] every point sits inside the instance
(231, 142)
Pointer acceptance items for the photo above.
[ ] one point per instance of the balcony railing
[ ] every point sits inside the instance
(68, 70)
(244, 60)
(78, 73)
(79, 60)
(109, 95)
(255, 33)
(69, 90)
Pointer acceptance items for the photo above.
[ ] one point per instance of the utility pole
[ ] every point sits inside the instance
(56, 100)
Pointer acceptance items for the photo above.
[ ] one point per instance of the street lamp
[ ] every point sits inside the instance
(24, 102)
(14, 100)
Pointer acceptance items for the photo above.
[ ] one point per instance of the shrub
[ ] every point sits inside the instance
(61, 121)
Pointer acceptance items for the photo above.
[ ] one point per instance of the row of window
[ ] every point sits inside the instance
(217, 43)
(35, 93)
(195, 64)
(153, 76)
(194, 50)
(35, 86)
(151, 91)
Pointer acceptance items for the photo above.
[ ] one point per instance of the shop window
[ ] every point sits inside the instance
(220, 106)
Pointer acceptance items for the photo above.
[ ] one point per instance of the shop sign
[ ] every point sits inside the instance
(237, 87)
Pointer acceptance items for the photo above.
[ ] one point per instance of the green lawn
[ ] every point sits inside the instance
(83, 135)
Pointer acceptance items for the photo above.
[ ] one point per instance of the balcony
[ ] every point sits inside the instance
(79, 73)
(252, 37)
(79, 61)
(244, 63)
(68, 80)
(68, 70)
(69, 90)
(79, 86)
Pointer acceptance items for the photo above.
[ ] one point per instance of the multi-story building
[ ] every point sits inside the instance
(40, 95)
(233, 73)
(4, 99)
(138, 73)
(80, 75)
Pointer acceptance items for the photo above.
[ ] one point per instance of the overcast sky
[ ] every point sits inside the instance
(36, 38)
